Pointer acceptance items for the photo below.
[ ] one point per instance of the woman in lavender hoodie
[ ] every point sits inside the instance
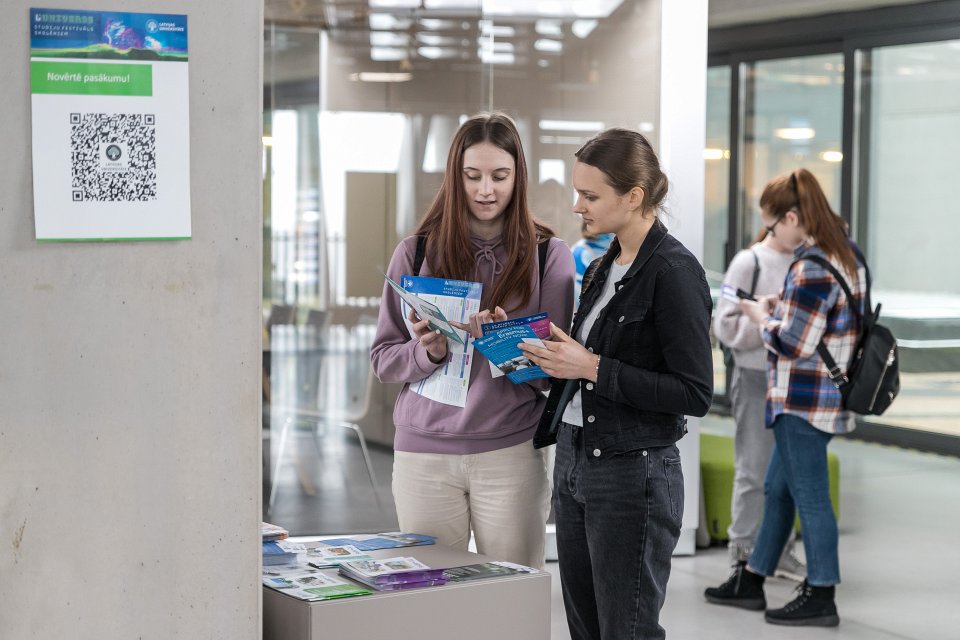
(474, 468)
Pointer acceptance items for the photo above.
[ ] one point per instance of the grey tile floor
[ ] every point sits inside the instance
(899, 545)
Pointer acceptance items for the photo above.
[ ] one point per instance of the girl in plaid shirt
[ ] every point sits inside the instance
(804, 408)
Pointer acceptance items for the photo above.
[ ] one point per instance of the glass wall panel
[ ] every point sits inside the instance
(908, 215)
(564, 73)
(794, 118)
(716, 156)
(360, 109)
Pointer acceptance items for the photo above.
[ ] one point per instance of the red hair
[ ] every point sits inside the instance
(800, 192)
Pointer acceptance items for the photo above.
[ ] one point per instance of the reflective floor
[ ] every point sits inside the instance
(899, 541)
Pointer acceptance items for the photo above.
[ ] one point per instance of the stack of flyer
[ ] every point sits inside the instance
(392, 574)
(330, 557)
(470, 572)
(270, 532)
(308, 583)
(374, 542)
(281, 552)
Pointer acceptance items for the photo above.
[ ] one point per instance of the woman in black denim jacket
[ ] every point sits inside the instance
(638, 361)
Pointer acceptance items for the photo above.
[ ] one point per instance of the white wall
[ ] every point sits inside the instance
(129, 378)
(683, 105)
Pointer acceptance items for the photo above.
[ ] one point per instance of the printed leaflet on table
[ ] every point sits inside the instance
(391, 574)
(272, 532)
(484, 571)
(281, 552)
(329, 557)
(310, 584)
(373, 542)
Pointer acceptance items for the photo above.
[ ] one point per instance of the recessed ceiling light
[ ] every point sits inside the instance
(795, 133)
(372, 76)
(571, 125)
(548, 46)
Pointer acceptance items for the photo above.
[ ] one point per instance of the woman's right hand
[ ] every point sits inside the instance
(477, 320)
(758, 310)
(432, 340)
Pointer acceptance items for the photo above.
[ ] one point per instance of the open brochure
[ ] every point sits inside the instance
(500, 348)
(426, 310)
(457, 300)
(539, 322)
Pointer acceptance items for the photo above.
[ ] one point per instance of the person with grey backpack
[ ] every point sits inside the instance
(758, 270)
(822, 317)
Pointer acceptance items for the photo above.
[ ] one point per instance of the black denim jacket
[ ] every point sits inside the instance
(656, 364)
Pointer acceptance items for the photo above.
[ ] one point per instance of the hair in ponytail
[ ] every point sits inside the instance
(800, 192)
(627, 160)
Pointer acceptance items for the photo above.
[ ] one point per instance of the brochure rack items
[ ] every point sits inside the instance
(305, 571)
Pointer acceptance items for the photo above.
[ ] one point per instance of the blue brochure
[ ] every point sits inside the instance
(539, 322)
(500, 348)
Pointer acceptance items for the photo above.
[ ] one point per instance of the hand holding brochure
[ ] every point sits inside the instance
(500, 348)
(427, 311)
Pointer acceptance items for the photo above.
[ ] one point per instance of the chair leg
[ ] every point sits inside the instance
(366, 458)
(276, 469)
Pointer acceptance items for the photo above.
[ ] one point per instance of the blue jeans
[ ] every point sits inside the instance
(797, 480)
(618, 521)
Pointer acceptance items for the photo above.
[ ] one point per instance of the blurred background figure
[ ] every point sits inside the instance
(590, 247)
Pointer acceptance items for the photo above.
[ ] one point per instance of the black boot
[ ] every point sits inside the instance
(743, 589)
(813, 607)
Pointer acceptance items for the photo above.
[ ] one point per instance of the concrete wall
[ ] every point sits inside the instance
(129, 381)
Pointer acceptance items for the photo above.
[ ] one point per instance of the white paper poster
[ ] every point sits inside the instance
(111, 133)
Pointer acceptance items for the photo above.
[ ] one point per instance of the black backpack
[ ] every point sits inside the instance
(872, 379)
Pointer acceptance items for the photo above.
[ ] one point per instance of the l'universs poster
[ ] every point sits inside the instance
(111, 154)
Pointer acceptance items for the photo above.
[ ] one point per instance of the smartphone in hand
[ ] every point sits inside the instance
(735, 294)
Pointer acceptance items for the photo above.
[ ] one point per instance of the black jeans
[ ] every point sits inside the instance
(618, 521)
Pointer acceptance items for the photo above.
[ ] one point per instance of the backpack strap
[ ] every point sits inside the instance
(542, 256)
(756, 272)
(837, 376)
(420, 254)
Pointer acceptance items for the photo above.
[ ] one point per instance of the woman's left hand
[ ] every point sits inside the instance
(563, 357)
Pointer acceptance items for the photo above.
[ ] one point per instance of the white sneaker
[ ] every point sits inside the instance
(791, 567)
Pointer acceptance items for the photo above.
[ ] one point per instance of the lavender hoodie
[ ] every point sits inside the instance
(498, 413)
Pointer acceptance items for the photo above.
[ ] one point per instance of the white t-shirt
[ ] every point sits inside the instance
(573, 414)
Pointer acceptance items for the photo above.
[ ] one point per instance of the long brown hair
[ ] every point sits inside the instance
(800, 192)
(447, 227)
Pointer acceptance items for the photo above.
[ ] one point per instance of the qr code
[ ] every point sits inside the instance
(113, 157)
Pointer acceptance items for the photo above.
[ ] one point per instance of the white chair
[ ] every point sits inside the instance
(345, 416)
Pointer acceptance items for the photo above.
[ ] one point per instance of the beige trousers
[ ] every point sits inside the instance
(503, 496)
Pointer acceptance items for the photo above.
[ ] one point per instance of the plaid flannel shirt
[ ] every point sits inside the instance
(812, 306)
